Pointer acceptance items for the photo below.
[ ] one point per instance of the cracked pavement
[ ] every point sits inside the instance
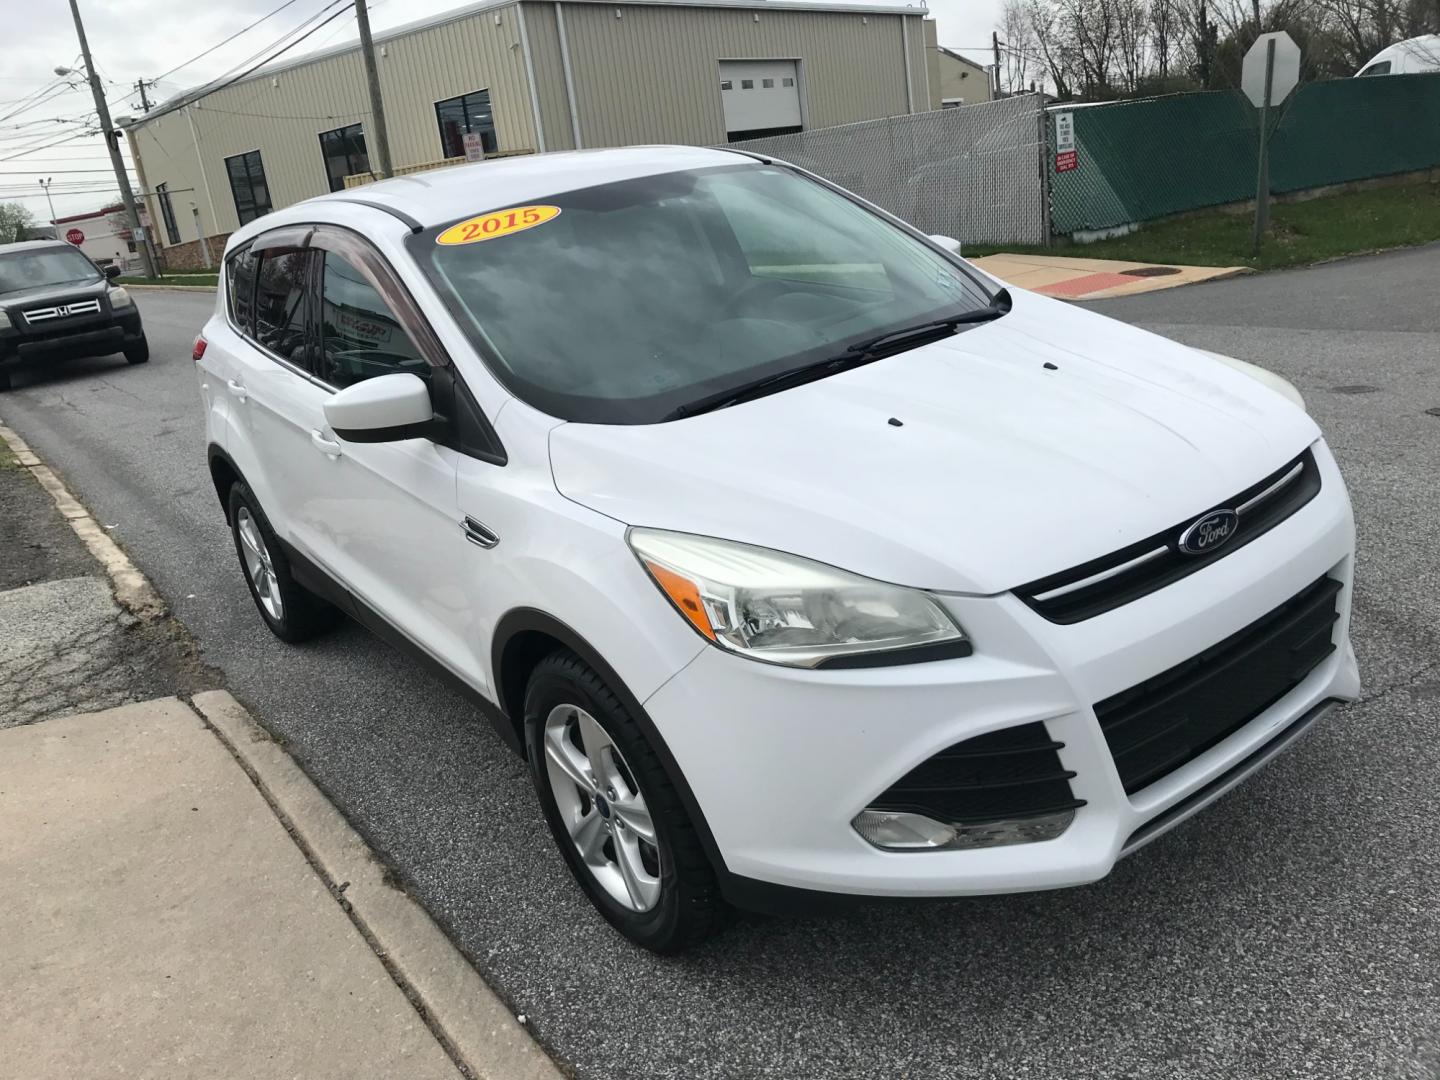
(65, 645)
(1290, 930)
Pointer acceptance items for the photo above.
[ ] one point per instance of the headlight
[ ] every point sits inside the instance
(119, 298)
(787, 610)
(1267, 378)
(4, 320)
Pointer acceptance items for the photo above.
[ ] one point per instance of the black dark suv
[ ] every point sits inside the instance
(56, 304)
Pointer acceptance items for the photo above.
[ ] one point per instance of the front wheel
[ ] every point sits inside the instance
(614, 812)
(139, 352)
(4, 380)
(292, 613)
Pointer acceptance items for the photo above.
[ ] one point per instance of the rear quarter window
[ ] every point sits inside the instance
(240, 289)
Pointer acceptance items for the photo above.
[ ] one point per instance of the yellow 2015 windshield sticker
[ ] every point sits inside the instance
(499, 223)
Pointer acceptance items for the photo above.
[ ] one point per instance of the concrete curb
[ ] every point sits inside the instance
(466, 1015)
(132, 591)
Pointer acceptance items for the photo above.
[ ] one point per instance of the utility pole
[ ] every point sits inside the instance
(142, 85)
(372, 77)
(46, 185)
(112, 144)
(995, 44)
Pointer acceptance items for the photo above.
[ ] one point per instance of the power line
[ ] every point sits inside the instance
(232, 37)
(227, 81)
(47, 146)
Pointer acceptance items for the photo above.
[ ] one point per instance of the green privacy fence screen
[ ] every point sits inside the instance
(1140, 160)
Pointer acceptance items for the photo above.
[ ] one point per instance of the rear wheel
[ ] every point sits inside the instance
(614, 812)
(138, 353)
(292, 612)
(4, 380)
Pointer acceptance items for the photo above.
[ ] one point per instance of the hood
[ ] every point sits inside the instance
(1000, 471)
(39, 294)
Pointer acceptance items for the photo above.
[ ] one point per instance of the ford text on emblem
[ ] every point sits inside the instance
(1207, 534)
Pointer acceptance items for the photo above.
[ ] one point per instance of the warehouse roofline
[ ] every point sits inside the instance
(455, 14)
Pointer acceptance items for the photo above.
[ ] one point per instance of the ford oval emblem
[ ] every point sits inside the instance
(1209, 532)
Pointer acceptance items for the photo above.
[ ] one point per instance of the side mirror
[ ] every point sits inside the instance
(387, 408)
(949, 243)
(112, 271)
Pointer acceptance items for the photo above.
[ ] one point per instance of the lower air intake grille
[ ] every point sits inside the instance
(1165, 721)
(1011, 773)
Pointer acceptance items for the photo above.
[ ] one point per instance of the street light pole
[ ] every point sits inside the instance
(127, 196)
(46, 185)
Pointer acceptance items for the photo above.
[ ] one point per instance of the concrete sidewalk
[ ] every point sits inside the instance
(158, 919)
(1095, 279)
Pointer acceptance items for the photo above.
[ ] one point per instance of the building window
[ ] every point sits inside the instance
(167, 212)
(247, 185)
(459, 116)
(768, 84)
(747, 84)
(726, 84)
(787, 81)
(344, 153)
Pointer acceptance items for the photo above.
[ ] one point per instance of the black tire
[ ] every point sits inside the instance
(690, 907)
(139, 352)
(303, 615)
(4, 380)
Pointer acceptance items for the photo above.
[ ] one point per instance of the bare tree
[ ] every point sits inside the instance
(1048, 32)
(1164, 24)
(1132, 40)
(14, 219)
(1019, 45)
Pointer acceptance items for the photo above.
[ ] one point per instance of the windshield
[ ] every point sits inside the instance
(44, 266)
(622, 302)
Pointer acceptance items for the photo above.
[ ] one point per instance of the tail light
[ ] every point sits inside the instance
(199, 350)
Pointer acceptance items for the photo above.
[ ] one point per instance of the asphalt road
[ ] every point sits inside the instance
(1290, 931)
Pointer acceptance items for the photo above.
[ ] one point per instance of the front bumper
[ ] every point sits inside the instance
(100, 336)
(780, 760)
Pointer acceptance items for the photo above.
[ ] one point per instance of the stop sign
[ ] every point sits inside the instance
(1286, 74)
(75, 236)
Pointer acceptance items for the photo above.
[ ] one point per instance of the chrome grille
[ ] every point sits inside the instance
(1120, 577)
(62, 311)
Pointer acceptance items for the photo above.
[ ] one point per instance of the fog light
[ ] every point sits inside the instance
(897, 831)
(901, 832)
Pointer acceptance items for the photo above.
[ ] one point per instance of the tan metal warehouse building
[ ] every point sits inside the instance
(523, 75)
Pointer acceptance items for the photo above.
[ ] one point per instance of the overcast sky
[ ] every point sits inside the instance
(133, 39)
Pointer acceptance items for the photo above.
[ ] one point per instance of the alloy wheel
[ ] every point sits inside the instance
(258, 565)
(602, 807)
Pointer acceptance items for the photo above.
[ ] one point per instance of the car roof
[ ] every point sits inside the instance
(1425, 48)
(34, 245)
(441, 195)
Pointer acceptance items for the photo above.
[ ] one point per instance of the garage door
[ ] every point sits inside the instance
(761, 97)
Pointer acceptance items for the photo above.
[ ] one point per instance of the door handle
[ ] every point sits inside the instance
(321, 443)
(237, 389)
(478, 534)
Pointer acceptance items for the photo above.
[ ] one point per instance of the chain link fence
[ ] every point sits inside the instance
(1141, 160)
(976, 173)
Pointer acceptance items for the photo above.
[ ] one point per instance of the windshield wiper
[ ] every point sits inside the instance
(894, 341)
(767, 385)
(862, 352)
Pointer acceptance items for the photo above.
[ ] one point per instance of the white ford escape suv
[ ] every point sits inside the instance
(798, 557)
